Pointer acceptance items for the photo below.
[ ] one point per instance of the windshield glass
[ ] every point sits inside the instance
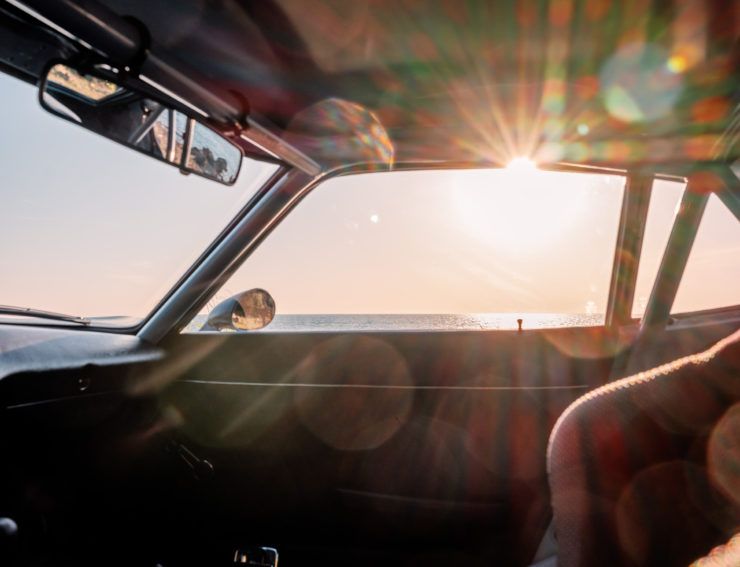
(93, 229)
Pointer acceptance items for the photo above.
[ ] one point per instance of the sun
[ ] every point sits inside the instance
(522, 170)
(518, 210)
(521, 163)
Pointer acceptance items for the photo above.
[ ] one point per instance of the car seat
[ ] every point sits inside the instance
(646, 470)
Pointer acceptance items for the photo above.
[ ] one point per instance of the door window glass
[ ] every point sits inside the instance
(440, 250)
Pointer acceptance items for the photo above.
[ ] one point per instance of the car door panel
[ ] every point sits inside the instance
(386, 437)
(330, 446)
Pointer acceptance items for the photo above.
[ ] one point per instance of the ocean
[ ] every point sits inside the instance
(418, 322)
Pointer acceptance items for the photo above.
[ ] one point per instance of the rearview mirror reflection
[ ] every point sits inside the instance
(139, 122)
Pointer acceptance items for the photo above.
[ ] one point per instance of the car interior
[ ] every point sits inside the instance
(615, 444)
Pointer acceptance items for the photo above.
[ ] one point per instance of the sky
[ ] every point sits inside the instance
(92, 228)
(443, 242)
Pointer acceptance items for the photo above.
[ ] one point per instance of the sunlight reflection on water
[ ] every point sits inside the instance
(421, 322)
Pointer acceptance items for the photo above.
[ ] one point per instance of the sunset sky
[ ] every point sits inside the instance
(91, 228)
(443, 242)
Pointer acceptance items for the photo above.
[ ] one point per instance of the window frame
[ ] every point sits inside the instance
(369, 185)
(279, 196)
(681, 239)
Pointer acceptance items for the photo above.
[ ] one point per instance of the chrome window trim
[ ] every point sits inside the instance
(269, 208)
(628, 249)
(277, 198)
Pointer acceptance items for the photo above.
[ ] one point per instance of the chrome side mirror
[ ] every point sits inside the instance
(248, 311)
(139, 122)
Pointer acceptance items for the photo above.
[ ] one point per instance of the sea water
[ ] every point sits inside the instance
(418, 322)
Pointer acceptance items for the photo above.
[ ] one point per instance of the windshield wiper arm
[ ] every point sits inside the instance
(8, 310)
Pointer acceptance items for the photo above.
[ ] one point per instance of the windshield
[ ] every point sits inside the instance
(93, 229)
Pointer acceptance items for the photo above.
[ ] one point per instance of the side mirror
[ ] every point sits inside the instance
(248, 311)
(136, 121)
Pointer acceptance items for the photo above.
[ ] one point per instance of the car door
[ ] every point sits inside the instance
(410, 436)
(397, 439)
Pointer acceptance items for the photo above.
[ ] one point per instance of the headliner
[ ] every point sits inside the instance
(599, 82)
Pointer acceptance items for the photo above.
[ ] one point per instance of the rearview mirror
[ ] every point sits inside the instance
(247, 311)
(139, 122)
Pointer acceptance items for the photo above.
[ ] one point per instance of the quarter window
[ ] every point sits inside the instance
(712, 275)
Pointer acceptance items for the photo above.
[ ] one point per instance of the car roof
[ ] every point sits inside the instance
(619, 84)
